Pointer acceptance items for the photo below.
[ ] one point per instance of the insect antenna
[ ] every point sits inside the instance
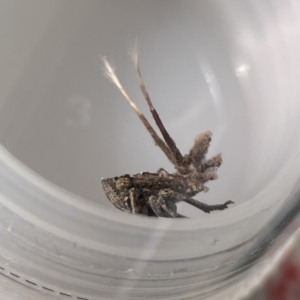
(158, 141)
(169, 141)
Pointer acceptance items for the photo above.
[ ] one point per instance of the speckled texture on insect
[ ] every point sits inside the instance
(156, 194)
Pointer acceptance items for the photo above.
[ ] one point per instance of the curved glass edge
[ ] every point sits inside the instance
(58, 241)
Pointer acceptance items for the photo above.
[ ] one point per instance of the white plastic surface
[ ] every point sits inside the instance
(232, 67)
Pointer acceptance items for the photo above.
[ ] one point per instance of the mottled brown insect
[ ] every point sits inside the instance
(156, 194)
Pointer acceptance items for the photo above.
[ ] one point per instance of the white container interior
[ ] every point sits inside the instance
(232, 67)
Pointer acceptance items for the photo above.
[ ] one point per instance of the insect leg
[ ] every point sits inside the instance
(163, 208)
(170, 207)
(206, 207)
(180, 216)
(169, 194)
(166, 198)
(132, 197)
(155, 205)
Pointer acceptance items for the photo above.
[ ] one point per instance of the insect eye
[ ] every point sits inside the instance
(116, 178)
(123, 183)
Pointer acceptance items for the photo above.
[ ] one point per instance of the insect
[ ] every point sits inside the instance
(156, 194)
